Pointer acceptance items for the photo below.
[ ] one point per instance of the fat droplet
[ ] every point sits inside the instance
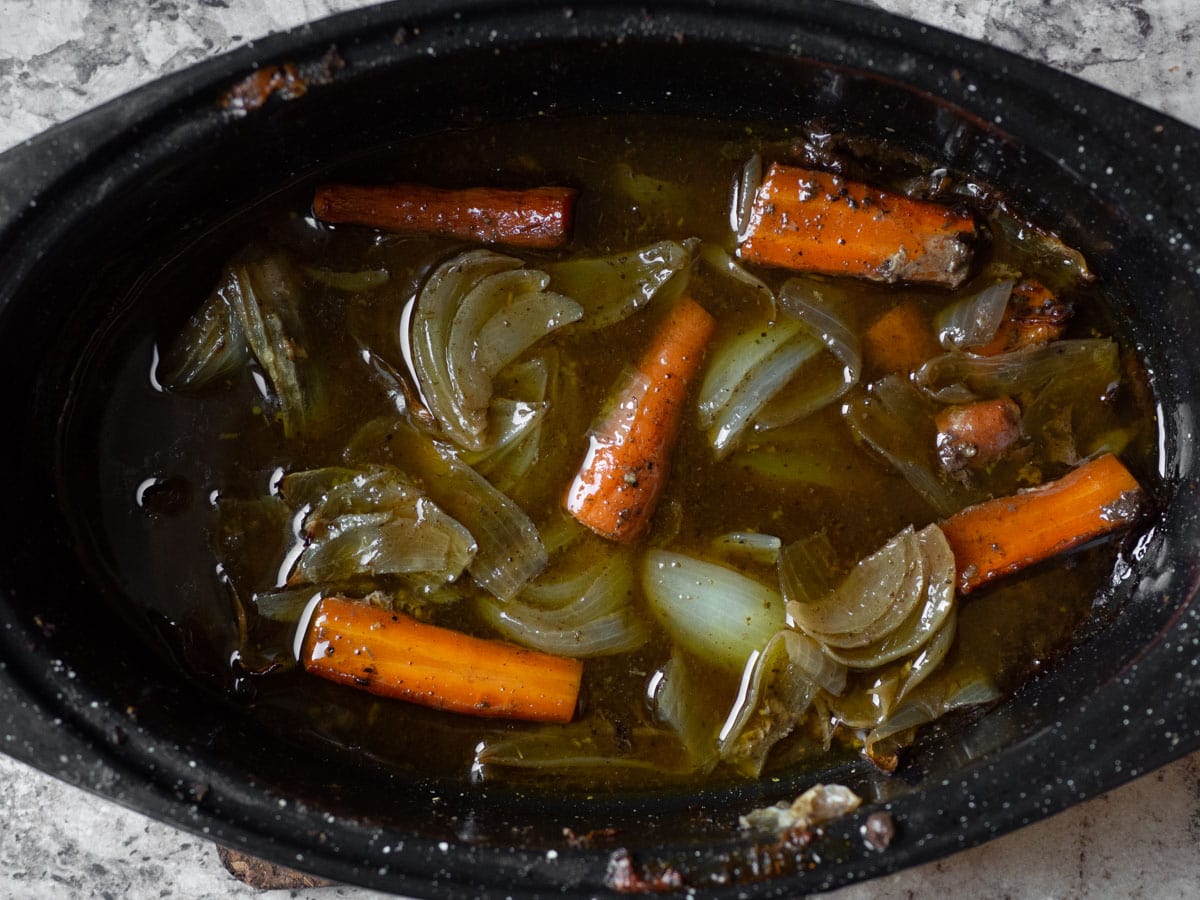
(163, 496)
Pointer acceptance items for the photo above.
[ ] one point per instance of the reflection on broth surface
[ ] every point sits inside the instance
(720, 474)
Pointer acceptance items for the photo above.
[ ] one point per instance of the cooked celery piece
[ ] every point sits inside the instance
(646, 190)
(1042, 254)
(266, 298)
(749, 546)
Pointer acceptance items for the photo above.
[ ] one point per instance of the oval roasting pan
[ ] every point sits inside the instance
(86, 207)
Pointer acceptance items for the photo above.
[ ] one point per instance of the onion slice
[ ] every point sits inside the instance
(802, 301)
(931, 656)
(676, 698)
(925, 619)
(733, 361)
(719, 261)
(906, 597)
(974, 321)
(716, 613)
(778, 687)
(211, 345)
(896, 421)
(476, 314)
(741, 201)
(371, 523)
(490, 294)
(517, 327)
(597, 622)
(515, 425)
(612, 288)
(771, 373)
(872, 588)
(806, 570)
(253, 313)
(751, 397)
(963, 378)
(432, 319)
(924, 707)
(773, 699)
(510, 552)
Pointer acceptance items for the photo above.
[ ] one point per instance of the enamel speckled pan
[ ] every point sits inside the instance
(87, 206)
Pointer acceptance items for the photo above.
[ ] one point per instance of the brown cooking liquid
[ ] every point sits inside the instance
(165, 458)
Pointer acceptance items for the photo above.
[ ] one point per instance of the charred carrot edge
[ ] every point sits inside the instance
(976, 435)
(394, 655)
(540, 217)
(813, 221)
(622, 476)
(1034, 316)
(900, 340)
(1002, 536)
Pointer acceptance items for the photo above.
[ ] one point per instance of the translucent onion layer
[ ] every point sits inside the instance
(612, 288)
(599, 621)
(714, 612)
(475, 314)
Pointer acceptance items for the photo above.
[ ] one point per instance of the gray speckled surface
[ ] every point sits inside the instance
(60, 58)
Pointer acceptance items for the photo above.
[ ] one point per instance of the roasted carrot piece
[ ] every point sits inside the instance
(976, 435)
(394, 655)
(1002, 536)
(540, 217)
(622, 476)
(1034, 316)
(814, 221)
(900, 340)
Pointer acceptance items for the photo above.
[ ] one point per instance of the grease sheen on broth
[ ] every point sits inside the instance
(168, 460)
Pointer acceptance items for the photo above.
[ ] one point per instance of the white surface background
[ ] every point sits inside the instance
(60, 57)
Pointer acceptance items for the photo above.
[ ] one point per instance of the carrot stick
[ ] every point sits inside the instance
(813, 221)
(900, 340)
(1034, 316)
(622, 476)
(977, 434)
(540, 217)
(393, 655)
(1002, 536)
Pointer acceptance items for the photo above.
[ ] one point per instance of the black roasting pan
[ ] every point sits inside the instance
(88, 206)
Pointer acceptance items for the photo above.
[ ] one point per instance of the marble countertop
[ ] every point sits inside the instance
(61, 57)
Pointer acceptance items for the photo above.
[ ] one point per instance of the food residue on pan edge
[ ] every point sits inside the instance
(286, 80)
